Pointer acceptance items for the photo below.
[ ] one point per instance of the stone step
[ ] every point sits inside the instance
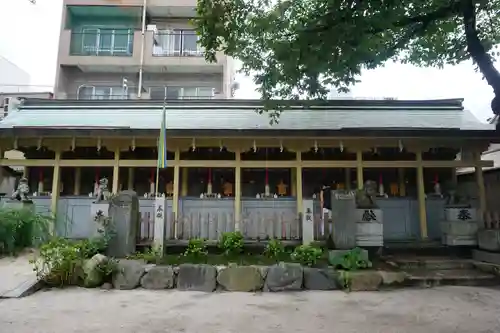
(25, 288)
(454, 277)
(429, 263)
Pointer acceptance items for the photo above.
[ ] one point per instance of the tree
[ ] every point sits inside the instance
(298, 48)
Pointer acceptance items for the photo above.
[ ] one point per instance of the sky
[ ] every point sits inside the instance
(29, 38)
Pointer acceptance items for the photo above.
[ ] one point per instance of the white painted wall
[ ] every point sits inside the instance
(13, 79)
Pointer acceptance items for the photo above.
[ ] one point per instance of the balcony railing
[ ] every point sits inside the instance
(97, 42)
(176, 44)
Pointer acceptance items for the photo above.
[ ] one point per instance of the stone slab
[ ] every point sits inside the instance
(369, 233)
(197, 277)
(240, 278)
(124, 218)
(485, 256)
(373, 215)
(489, 240)
(284, 277)
(320, 279)
(344, 219)
(17, 278)
(453, 240)
(307, 221)
(25, 288)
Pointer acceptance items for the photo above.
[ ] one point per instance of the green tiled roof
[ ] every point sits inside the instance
(241, 115)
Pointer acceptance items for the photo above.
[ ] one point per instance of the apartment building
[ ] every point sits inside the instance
(136, 49)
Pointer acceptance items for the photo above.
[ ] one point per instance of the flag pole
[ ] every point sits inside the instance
(157, 183)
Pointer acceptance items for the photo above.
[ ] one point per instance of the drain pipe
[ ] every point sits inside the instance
(143, 39)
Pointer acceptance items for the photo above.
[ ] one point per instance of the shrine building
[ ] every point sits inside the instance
(228, 168)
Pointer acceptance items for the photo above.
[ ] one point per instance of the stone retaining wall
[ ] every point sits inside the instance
(280, 277)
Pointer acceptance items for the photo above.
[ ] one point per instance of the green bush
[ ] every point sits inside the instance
(352, 260)
(307, 255)
(196, 248)
(231, 243)
(151, 256)
(274, 249)
(22, 228)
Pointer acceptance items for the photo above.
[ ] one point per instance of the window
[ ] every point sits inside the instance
(97, 41)
(176, 92)
(177, 43)
(102, 93)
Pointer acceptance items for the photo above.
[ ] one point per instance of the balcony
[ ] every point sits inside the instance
(100, 49)
(178, 52)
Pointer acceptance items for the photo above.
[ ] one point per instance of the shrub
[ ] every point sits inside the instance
(151, 256)
(21, 228)
(274, 249)
(231, 243)
(351, 260)
(196, 248)
(307, 255)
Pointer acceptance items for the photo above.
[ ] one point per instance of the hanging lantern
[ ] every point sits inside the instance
(267, 191)
(381, 191)
(437, 186)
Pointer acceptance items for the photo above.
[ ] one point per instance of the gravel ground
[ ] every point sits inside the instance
(445, 309)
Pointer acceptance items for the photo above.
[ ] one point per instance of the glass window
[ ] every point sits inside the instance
(174, 92)
(190, 43)
(157, 92)
(205, 92)
(85, 92)
(190, 92)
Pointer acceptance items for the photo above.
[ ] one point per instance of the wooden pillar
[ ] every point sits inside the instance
(293, 185)
(422, 211)
(78, 180)
(402, 182)
(359, 169)
(481, 191)
(347, 172)
(130, 179)
(55, 188)
(116, 172)
(175, 197)
(237, 191)
(184, 188)
(298, 168)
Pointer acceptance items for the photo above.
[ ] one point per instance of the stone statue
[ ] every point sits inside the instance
(21, 193)
(455, 198)
(364, 197)
(102, 190)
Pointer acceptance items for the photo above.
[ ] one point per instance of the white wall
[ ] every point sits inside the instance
(12, 78)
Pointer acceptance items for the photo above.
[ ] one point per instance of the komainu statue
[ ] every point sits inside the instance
(102, 190)
(21, 193)
(365, 197)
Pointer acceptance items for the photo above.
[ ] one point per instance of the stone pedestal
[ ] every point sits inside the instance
(369, 227)
(307, 221)
(459, 227)
(160, 222)
(15, 204)
(124, 220)
(99, 210)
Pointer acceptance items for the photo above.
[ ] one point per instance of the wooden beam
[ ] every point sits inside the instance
(237, 191)
(480, 186)
(421, 197)
(299, 187)
(359, 170)
(55, 189)
(116, 171)
(175, 198)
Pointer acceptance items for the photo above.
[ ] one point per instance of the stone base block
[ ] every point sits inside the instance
(454, 240)
(485, 256)
(489, 240)
(369, 233)
(14, 204)
(459, 228)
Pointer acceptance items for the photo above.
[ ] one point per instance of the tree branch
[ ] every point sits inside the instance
(476, 49)
(451, 9)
